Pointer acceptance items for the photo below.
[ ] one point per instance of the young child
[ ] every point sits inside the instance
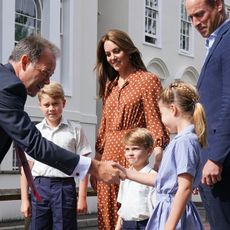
(57, 190)
(180, 169)
(137, 200)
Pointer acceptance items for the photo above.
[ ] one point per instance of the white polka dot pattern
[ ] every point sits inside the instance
(133, 105)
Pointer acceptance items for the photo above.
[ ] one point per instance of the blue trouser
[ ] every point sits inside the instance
(57, 211)
(137, 225)
(216, 200)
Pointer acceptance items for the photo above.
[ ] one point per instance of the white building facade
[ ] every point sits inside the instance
(170, 46)
(161, 30)
(72, 26)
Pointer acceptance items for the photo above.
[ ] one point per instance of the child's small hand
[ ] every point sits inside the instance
(158, 153)
(123, 171)
(26, 208)
(82, 206)
(156, 165)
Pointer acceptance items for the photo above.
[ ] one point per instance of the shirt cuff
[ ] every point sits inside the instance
(82, 167)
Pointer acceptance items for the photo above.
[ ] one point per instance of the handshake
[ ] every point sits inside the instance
(107, 171)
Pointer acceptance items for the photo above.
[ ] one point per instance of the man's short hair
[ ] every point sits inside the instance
(212, 3)
(33, 46)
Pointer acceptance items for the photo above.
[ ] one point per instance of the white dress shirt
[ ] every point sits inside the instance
(70, 136)
(211, 38)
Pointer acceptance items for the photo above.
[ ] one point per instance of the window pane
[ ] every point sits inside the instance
(227, 8)
(151, 21)
(27, 18)
(20, 32)
(25, 7)
(185, 29)
(20, 18)
(150, 39)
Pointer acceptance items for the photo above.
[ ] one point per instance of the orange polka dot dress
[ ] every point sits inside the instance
(133, 105)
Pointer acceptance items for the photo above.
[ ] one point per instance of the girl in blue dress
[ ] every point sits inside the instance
(180, 170)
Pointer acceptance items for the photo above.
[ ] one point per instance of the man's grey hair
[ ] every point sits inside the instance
(33, 46)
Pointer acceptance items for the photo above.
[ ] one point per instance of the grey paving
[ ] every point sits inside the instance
(85, 222)
(89, 222)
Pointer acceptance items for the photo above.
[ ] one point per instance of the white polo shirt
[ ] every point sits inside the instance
(137, 200)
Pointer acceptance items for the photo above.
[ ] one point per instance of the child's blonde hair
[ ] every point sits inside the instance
(140, 137)
(53, 89)
(186, 97)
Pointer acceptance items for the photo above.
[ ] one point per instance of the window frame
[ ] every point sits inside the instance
(153, 17)
(28, 29)
(186, 32)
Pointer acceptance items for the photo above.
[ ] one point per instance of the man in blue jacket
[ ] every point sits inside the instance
(209, 18)
(31, 64)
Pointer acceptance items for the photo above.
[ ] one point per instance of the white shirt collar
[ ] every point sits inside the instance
(62, 122)
(211, 38)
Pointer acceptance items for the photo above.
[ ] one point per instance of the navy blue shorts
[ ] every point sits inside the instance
(137, 225)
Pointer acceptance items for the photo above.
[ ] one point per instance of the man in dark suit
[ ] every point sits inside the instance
(209, 18)
(31, 64)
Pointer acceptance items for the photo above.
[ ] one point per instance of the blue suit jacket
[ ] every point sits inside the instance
(214, 89)
(16, 125)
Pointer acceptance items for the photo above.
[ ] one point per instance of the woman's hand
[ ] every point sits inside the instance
(158, 153)
(93, 182)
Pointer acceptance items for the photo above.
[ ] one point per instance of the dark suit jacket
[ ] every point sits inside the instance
(214, 89)
(16, 125)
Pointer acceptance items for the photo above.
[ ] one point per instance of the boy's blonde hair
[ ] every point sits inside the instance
(54, 90)
(140, 137)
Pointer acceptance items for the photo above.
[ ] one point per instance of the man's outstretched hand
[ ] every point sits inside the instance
(106, 171)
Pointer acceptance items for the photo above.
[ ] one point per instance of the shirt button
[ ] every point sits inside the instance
(77, 174)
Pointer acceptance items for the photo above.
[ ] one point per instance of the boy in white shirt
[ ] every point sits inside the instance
(57, 190)
(137, 200)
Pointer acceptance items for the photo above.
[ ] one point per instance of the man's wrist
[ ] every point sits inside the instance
(82, 167)
(94, 168)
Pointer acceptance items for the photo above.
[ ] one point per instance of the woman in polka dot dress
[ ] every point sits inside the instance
(129, 94)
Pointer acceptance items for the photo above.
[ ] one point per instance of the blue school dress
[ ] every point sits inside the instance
(181, 156)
